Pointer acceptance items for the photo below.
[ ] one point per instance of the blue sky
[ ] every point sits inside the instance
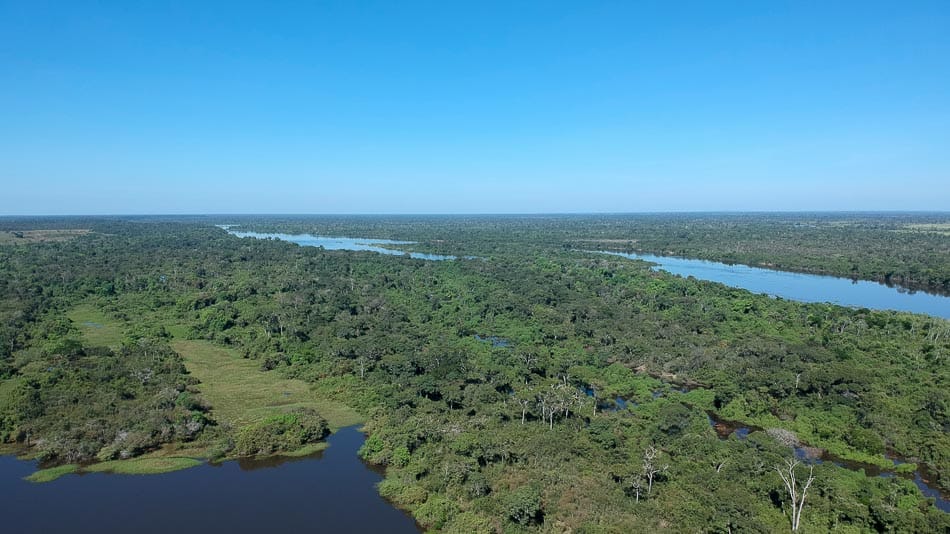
(481, 107)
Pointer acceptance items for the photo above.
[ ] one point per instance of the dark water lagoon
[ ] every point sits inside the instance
(332, 491)
(802, 287)
(344, 243)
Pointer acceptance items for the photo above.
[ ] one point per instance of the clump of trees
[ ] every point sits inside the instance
(75, 403)
(281, 433)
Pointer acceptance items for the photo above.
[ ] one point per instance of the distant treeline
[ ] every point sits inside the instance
(908, 251)
(905, 249)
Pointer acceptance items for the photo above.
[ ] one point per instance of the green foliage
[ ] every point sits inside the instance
(523, 505)
(85, 404)
(402, 493)
(470, 523)
(52, 473)
(435, 512)
(281, 433)
(478, 436)
(400, 457)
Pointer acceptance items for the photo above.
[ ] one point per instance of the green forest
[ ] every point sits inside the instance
(528, 386)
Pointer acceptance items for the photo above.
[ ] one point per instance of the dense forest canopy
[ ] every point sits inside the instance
(532, 387)
(908, 250)
(904, 249)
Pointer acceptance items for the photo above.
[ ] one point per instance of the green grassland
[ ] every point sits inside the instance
(98, 329)
(26, 237)
(145, 465)
(52, 473)
(238, 391)
(241, 394)
(936, 228)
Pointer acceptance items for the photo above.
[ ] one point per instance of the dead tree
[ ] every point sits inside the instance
(651, 467)
(796, 491)
(636, 484)
(525, 398)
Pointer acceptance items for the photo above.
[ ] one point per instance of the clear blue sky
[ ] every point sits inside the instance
(451, 107)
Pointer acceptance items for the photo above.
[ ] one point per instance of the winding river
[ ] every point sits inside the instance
(344, 243)
(332, 491)
(802, 287)
(784, 284)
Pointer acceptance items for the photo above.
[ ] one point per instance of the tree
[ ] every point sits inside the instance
(792, 485)
(636, 484)
(523, 505)
(651, 466)
(525, 398)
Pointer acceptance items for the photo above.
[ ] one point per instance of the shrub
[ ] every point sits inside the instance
(523, 505)
(435, 512)
(281, 433)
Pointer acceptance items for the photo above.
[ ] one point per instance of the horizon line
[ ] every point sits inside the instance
(492, 214)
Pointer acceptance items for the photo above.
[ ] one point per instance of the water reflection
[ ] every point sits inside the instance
(381, 246)
(331, 491)
(802, 287)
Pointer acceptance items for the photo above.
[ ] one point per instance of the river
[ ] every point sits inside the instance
(788, 285)
(802, 287)
(921, 476)
(345, 243)
(332, 491)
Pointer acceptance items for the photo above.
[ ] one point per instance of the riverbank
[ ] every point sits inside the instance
(330, 490)
(798, 286)
(237, 390)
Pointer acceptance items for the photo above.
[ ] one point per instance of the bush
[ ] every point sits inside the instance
(281, 433)
(435, 512)
(401, 493)
(523, 505)
(470, 523)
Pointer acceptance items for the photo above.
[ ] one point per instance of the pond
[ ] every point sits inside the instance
(344, 243)
(495, 341)
(332, 491)
(802, 287)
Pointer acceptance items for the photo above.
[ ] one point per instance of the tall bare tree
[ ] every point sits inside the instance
(796, 490)
(651, 466)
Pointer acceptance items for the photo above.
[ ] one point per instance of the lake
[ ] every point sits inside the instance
(802, 287)
(332, 491)
(344, 243)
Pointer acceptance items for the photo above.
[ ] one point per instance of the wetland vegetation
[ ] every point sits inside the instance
(489, 387)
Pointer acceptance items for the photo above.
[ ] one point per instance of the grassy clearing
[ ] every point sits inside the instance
(240, 393)
(306, 450)
(97, 328)
(134, 466)
(177, 330)
(936, 228)
(26, 237)
(143, 466)
(51, 474)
